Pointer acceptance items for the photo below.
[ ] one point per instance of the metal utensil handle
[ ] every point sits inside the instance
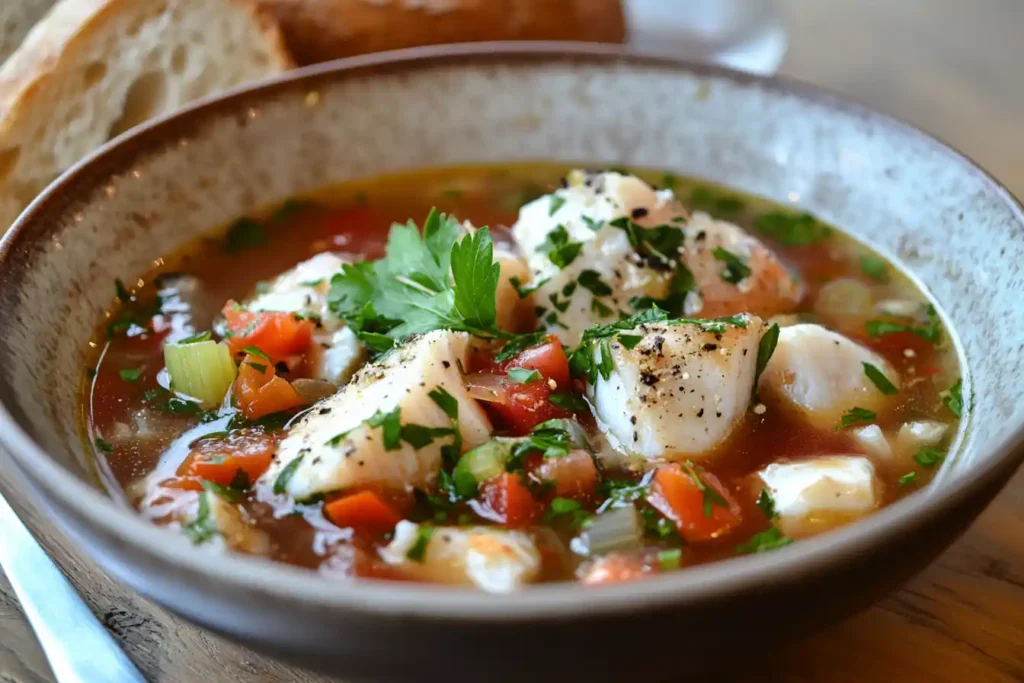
(78, 647)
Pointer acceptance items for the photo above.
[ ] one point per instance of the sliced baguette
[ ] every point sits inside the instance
(319, 30)
(16, 18)
(94, 68)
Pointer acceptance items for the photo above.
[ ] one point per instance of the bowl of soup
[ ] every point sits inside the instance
(483, 361)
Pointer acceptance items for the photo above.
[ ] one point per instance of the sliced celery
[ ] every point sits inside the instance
(479, 465)
(203, 370)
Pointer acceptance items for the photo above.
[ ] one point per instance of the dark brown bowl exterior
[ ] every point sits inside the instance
(148, 192)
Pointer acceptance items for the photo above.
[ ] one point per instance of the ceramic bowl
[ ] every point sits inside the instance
(953, 227)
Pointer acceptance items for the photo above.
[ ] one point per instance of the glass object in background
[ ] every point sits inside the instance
(749, 35)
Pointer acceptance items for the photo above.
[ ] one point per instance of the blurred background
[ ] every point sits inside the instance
(951, 67)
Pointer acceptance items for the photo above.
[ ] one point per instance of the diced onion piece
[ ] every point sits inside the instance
(312, 390)
(487, 387)
(483, 463)
(617, 529)
(843, 298)
(203, 370)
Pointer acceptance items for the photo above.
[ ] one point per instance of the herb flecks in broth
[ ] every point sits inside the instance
(604, 384)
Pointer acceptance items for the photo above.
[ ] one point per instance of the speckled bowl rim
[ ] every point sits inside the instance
(548, 601)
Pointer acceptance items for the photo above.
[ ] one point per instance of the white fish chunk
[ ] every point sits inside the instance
(333, 448)
(493, 560)
(680, 391)
(337, 353)
(873, 440)
(820, 375)
(920, 434)
(588, 271)
(820, 493)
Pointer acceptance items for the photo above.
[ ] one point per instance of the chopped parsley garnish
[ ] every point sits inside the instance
(245, 233)
(764, 541)
(255, 351)
(736, 270)
(954, 400)
(670, 560)
(559, 248)
(617, 492)
(630, 340)
(337, 439)
(766, 504)
(593, 224)
(929, 457)
(591, 280)
(874, 267)
(103, 446)
(569, 402)
(418, 550)
(130, 374)
(524, 292)
(556, 204)
(569, 509)
(657, 526)
(523, 375)
(196, 338)
(520, 344)
(600, 309)
(450, 453)
(419, 436)
(657, 246)
(179, 405)
(879, 379)
(765, 349)
(855, 415)
(259, 367)
(390, 427)
(227, 493)
(931, 331)
(711, 496)
(792, 230)
(907, 479)
(203, 527)
(286, 474)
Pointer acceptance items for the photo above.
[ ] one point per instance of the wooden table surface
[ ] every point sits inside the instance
(956, 69)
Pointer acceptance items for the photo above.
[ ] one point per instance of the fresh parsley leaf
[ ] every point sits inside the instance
(224, 492)
(559, 248)
(766, 504)
(180, 405)
(286, 474)
(617, 492)
(736, 270)
(591, 280)
(419, 436)
(476, 278)
(203, 527)
(657, 526)
(378, 343)
(929, 457)
(874, 267)
(130, 374)
(855, 415)
(658, 247)
(765, 541)
(259, 367)
(792, 230)
(391, 427)
(255, 351)
(569, 402)
(337, 439)
(519, 344)
(670, 560)
(523, 375)
(245, 233)
(630, 340)
(907, 479)
(954, 400)
(556, 204)
(593, 224)
(418, 550)
(567, 509)
(445, 402)
(879, 379)
(524, 292)
(450, 453)
(765, 349)
(103, 446)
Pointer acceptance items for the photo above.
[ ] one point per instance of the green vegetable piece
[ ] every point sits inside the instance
(419, 548)
(203, 370)
(765, 349)
(670, 560)
(765, 541)
(954, 400)
(907, 479)
(929, 457)
(854, 416)
(879, 379)
(874, 267)
(736, 270)
(130, 374)
(286, 474)
(524, 376)
(391, 428)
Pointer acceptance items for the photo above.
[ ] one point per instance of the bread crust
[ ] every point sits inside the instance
(321, 30)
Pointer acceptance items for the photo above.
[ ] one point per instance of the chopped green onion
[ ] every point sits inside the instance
(670, 560)
(855, 415)
(130, 374)
(202, 370)
(907, 479)
(929, 457)
(879, 379)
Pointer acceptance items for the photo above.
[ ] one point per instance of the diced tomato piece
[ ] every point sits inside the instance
(510, 500)
(275, 334)
(363, 511)
(575, 474)
(220, 460)
(527, 405)
(615, 568)
(260, 392)
(182, 484)
(693, 507)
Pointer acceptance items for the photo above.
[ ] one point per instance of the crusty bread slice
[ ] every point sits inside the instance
(16, 18)
(319, 30)
(91, 69)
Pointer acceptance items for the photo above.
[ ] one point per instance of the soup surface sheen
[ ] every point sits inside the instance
(626, 375)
